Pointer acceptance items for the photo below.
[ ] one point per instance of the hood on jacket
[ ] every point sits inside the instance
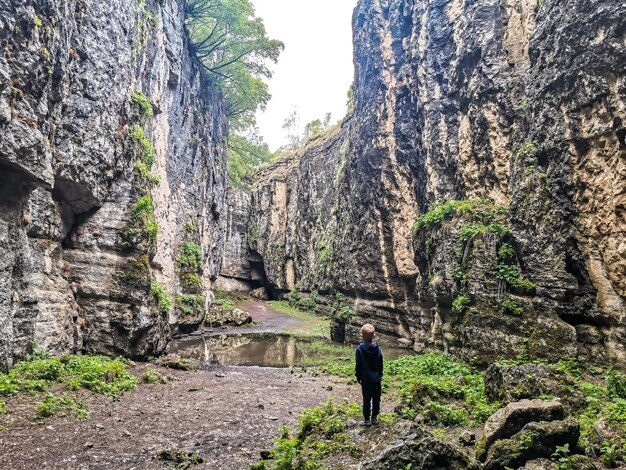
(372, 348)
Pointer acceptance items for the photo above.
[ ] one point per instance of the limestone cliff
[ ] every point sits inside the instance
(112, 165)
(513, 110)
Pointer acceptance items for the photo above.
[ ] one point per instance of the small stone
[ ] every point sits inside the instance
(127, 434)
(272, 418)
(329, 388)
(220, 375)
(467, 438)
(89, 445)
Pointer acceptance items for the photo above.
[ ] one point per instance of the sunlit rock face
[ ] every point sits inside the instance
(70, 279)
(516, 101)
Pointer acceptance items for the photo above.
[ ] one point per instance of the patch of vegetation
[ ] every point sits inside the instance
(442, 390)
(469, 231)
(484, 211)
(179, 458)
(143, 221)
(320, 433)
(53, 405)
(151, 376)
(190, 304)
(191, 257)
(310, 324)
(527, 149)
(309, 304)
(137, 272)
(144, 151)
(510, 307)
(562, 458)
(324, 251)
(341, 310)
(144, 174)
(460, 304)
(508, 271)
(163, 300)
(223, 299)
(3, 407)
(253, 233)
(142, 103)
(97, 374)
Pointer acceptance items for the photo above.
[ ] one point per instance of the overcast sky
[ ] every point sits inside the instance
(315, 70)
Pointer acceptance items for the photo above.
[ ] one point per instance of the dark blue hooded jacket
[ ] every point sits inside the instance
(369, 363)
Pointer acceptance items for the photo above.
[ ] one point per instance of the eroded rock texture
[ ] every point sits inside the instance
(74, 276)
(516, 101)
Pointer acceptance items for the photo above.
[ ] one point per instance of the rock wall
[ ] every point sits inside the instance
(88, 176)
(515, 110)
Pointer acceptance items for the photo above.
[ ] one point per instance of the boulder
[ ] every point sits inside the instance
(535, 440)
(552, 339)
(508, 421)
(260, 294)
(539, 464)
(421, 450)
(238, 317)
(510, 383)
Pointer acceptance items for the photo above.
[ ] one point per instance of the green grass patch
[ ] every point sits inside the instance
(309, 324)
(3, 407)
(60, 405)
(97, 374)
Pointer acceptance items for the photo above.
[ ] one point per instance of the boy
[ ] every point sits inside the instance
(369, 373)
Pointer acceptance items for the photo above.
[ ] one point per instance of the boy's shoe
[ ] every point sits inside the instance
(366, 422)
(375, 421)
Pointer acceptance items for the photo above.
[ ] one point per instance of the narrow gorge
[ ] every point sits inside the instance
(161, 307)
(498, 126)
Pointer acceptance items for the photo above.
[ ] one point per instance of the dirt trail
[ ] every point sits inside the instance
(227, 414)
(266, 320)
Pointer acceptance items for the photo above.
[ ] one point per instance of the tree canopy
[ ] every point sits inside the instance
(231, 44)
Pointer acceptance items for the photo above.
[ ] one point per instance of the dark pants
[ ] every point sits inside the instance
(371, 399)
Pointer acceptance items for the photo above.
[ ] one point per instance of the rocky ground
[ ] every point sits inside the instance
(225, 414)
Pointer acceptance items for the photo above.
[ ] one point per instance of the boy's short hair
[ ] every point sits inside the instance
(367, 332)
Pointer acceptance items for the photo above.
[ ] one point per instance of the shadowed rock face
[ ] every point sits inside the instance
(520, 102)
(69, 277)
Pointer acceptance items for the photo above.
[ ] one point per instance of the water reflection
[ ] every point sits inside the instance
(265, 350)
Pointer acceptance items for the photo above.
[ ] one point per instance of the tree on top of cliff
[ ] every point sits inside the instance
(233, 47)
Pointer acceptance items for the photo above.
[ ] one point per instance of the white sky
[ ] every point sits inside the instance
(315, 70)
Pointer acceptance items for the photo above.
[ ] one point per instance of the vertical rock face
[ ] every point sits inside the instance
(78, 211)
(514, 109)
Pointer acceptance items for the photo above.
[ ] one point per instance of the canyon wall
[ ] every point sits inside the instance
(513, 112)
(112, 166)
